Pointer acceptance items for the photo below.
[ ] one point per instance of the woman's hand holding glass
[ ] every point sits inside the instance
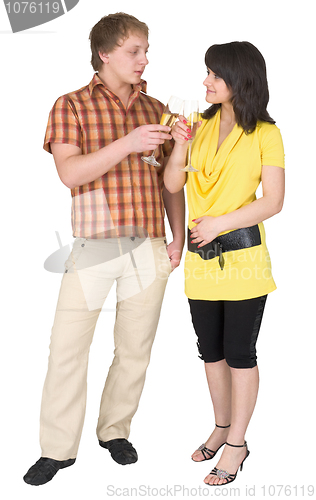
(191, 113)
(180, 131)
(185, 129)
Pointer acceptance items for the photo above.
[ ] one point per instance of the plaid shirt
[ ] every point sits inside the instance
(127, 200)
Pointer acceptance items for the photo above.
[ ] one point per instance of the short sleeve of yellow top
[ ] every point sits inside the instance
(227, 180)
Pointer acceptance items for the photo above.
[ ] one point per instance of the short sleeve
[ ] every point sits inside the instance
(63, 125)
(271, 146)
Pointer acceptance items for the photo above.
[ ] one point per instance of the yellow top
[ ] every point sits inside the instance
(227, 180)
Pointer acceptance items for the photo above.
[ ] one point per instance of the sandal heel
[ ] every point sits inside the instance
(242, 463)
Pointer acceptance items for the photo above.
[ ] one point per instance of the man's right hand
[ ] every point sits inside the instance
(147, 137)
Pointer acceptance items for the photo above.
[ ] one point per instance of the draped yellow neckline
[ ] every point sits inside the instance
(205, 156)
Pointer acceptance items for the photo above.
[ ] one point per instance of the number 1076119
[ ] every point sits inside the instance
(287, 490)
(32, 7)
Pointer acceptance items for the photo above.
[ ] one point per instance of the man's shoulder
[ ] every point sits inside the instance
(151, 100)
(79, 95)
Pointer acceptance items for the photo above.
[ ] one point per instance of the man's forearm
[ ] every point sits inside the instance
(78, 169)
(175, 208)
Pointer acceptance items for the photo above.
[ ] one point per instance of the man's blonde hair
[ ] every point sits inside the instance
(110, 31)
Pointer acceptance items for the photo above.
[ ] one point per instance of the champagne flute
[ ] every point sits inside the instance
(191, 113)
(169, 116)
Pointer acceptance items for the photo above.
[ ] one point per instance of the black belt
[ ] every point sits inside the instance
(235, 240)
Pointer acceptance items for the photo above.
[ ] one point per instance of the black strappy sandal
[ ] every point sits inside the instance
(206, 452)
(223, 474)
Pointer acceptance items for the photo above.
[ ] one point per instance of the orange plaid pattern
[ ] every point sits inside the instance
(127, 200)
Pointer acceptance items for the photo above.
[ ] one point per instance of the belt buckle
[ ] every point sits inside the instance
(219, 254)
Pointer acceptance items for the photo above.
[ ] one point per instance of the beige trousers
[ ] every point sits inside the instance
(141, 268)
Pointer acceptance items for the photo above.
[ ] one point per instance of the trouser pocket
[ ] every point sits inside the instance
(77, 249)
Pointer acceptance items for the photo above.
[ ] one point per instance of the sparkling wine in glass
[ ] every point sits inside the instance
(191, 113)
(169, 116)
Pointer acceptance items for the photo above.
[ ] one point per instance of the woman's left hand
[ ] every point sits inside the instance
(206, 230)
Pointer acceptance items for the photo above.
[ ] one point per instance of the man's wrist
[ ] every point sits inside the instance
(179, 238)
(125, 144)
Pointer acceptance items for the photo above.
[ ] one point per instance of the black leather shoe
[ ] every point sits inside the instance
(121, 450)
(45, 469)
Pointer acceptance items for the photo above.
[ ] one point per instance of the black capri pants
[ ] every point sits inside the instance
(228, 330)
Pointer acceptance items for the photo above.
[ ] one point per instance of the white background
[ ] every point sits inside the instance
(175, 414)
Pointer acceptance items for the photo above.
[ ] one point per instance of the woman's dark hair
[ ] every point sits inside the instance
(243, 69)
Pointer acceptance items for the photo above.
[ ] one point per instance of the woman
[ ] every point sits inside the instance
(227, 266)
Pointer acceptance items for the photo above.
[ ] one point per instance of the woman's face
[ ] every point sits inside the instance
(217, 91)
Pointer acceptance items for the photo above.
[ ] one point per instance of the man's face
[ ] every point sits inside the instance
(126, 63)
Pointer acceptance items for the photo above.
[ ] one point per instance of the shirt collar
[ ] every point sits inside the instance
(96, 80)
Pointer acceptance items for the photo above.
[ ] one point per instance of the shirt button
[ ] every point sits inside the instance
(132, 238)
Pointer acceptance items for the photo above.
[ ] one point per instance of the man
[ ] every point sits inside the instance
(97, 136)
